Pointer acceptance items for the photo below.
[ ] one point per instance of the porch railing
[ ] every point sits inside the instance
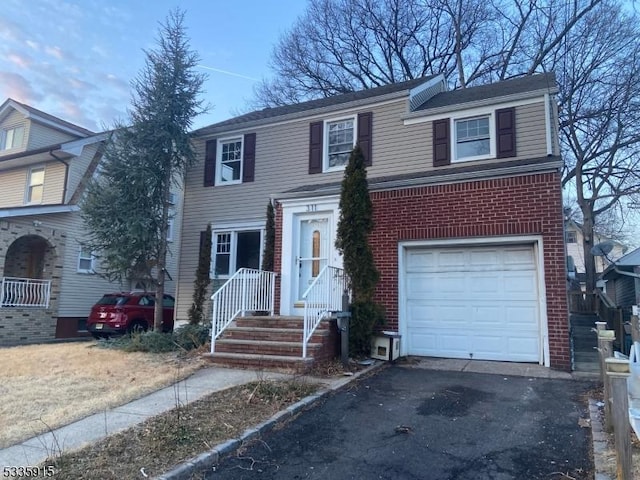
(248, 290)
(25, 292)
(323, 297)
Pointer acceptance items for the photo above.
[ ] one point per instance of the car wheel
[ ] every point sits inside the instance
(137, 327)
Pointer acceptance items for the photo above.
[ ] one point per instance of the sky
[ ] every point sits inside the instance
(75, 59)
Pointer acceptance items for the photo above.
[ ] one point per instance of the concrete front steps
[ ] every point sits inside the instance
(584, 342)
(263, 342)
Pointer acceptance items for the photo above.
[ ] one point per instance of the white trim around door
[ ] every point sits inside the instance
(323, 212)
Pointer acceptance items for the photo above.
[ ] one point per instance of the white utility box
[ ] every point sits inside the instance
(386, 346)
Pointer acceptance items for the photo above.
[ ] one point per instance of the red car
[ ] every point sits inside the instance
(127, 312)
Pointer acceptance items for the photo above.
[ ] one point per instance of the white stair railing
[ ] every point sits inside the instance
(25, 292)
(323, 297)
(248, 290)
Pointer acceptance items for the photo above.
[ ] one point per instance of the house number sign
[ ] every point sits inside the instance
(312, 208)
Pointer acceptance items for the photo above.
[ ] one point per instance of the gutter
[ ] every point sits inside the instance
(628, 274)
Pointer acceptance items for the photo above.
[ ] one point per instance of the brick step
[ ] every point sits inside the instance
(266, 334)
(240, 360)
(261, 347)
(272, 322)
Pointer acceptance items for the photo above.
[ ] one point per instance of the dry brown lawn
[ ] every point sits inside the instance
(47, 386)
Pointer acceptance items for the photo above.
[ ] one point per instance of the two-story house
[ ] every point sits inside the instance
(48, 279)
(465, 186)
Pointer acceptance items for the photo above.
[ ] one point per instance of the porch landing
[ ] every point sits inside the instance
(265, 342)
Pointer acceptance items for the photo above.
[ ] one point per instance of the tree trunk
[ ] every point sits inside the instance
(587, 245)
(162, 256)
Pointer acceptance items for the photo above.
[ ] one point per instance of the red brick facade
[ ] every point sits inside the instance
(523, 205)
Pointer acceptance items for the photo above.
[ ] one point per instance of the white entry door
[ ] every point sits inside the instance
(313, 250)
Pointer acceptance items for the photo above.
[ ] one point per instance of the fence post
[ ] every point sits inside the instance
(618, 372)
(605, 350)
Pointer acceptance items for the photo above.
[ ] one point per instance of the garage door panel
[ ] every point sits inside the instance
(477, 302)
(421, 261)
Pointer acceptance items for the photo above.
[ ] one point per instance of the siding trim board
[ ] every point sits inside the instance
(468, 110)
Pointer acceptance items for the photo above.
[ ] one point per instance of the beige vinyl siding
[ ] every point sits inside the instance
(282, 156)
(77, 167)
(54, 177)
(15, 119)
(43, 136)
(12, 186)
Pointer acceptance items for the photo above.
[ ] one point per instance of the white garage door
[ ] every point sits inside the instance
(472, 302)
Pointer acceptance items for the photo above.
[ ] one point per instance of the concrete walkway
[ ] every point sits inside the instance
(205, 381)
(97, 426)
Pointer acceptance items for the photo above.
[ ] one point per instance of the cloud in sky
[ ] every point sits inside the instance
(76, 58)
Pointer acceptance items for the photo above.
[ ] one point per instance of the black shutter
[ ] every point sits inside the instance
(506, 132)
(249, 157)
(441, 148)
(315, 147)
(364, 136)
(210, 163)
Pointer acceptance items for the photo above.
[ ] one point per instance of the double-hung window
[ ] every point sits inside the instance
(229, 167)
(473, 137)
(571, 237)
(12, 137)
(236, 249)
(340, 140)
(35, 185)
(85, 260)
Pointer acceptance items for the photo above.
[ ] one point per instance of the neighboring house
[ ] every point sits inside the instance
(48, 278)
(465, 187)
(623, 282)
(574, 238)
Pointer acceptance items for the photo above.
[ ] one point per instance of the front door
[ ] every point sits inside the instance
(313, 253)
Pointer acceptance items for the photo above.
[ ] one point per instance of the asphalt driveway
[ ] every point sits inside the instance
(411, 423)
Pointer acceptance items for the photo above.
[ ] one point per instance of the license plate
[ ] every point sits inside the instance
(99, 326)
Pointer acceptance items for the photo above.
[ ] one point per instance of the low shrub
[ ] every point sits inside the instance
(187, 337)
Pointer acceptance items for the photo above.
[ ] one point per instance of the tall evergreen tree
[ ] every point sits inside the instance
(270, 240)
(352, 240)
(127, 207)
(203, 279)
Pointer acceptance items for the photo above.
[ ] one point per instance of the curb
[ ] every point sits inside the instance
(206, 460)
(599, 441)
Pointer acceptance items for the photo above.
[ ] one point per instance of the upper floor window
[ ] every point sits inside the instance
(12, 138)
(229, 161)
(229, 164)
(473, 138)
(571, 237)
(35, 185)
(331, 141)
(85, 260)
(481, 134)
(340, 140)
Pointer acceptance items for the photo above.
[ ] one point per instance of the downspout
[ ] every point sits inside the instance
(66, 176)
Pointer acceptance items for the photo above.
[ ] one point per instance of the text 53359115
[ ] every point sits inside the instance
(28, 472)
